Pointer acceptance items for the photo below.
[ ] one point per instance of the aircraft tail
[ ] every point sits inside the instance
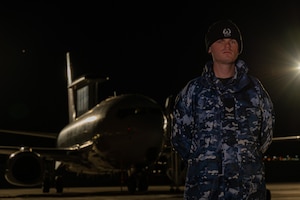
(82, 92)
(71, 103)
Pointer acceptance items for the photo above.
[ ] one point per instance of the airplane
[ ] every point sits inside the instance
(119, 134)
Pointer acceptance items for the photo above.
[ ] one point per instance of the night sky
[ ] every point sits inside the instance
(147, 47)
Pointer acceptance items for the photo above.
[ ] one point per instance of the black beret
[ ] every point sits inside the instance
(223, 29)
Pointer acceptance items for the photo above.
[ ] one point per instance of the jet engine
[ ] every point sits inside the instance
(25, 168)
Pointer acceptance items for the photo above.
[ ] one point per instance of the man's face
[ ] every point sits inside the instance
(224, 50)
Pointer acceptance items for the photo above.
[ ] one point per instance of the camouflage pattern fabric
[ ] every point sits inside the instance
(221, 131)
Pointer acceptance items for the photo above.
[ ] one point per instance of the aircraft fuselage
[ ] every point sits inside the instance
(120, 131)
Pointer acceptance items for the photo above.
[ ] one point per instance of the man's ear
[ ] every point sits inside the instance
(208, 51)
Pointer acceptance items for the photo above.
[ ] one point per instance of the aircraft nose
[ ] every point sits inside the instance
(136, 136)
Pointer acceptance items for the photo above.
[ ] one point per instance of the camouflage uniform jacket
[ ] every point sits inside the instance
(222, 131)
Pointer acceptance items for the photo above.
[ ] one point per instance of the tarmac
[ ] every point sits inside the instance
(92, 193)
(279, 191)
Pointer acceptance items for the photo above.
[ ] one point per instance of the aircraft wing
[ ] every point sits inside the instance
(26, 133)
(57, 154)
(293, 137)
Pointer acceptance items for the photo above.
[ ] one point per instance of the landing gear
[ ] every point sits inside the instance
(53, 178)
(176, 172)
(59, 184)
(137, 181)
(46, 184)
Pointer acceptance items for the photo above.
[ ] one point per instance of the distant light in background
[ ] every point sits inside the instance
(297, 69)
(294, 74)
